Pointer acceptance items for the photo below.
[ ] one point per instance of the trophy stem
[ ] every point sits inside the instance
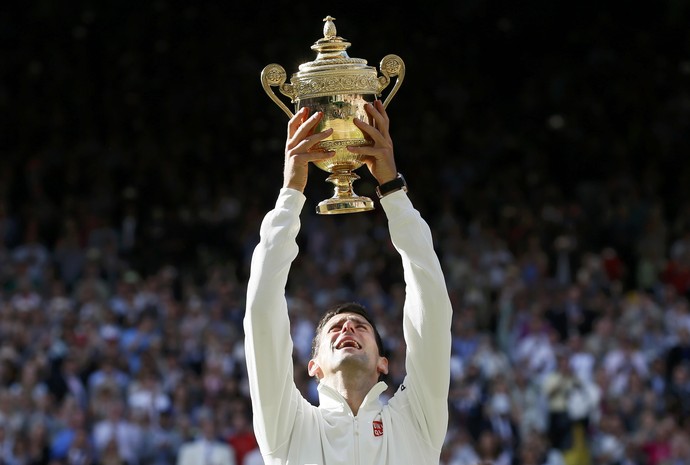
(344, 199)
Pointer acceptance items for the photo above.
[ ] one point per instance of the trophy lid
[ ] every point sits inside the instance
(333, 72)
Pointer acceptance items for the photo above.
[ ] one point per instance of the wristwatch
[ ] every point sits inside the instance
(391, 186)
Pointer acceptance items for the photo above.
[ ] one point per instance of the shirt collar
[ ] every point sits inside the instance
(330, 399)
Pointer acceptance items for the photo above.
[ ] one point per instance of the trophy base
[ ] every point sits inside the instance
(335, 205)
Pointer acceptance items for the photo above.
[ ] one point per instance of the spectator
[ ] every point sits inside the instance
(678, 392)
(6, 441)
(535, 450)
(69, 254)
(38, 443)
(241, 437)
(68, 437)
(557, 388)
(65, 380)
(116, 437)
(135, 341)
(657, 448)
(529, 402)
(679, 352)
(490, 451)
(498, 417)
(680, 448)
(620, 362)
(490, 360)
(253, 457)
(535, 349)
(145, 393)
(80, 451)
(207, 447)
(608, 446)
(32, 256)
(108, 377)
(460, 448)
(163, 441)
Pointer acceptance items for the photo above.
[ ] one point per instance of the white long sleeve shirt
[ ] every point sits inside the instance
(411, 427)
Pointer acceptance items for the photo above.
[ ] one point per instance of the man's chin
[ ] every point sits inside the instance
(350, 359)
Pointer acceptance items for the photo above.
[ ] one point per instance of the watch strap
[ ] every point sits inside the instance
(396, 184)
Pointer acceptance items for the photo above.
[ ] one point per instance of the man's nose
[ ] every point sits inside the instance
(348, 326)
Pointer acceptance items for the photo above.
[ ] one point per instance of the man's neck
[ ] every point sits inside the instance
(353, 388)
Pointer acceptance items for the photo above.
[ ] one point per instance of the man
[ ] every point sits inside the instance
(118, 434)
(350, 425)
(207, 448)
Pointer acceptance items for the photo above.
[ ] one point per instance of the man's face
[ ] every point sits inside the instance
(347, 343)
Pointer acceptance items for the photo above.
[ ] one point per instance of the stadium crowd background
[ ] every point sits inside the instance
(546, 144)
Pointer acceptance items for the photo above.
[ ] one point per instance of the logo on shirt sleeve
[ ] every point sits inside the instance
(378, 428)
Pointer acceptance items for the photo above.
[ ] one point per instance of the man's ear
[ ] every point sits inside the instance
(314, 369)
(382, 365)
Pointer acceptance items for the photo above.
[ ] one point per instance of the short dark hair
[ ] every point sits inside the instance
(348, 307)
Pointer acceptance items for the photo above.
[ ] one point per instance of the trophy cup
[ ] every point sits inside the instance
(340, 87)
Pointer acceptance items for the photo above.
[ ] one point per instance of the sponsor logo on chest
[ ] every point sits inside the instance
(378, 428)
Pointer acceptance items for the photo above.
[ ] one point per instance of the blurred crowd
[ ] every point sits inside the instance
(140, 154)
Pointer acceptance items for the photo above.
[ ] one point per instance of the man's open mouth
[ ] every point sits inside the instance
(348, 343)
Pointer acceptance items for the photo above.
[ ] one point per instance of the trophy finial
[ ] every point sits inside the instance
(330, 46)
(329, 31)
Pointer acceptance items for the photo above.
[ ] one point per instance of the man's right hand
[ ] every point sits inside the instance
(300, 139)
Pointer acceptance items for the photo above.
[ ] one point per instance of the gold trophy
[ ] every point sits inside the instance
(339, 86)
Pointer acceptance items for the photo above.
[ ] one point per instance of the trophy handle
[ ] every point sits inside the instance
(391, 65)
(274, 75)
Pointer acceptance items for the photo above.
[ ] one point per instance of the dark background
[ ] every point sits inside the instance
(157, 107)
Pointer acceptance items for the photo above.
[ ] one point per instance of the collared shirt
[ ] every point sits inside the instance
(411, 427)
